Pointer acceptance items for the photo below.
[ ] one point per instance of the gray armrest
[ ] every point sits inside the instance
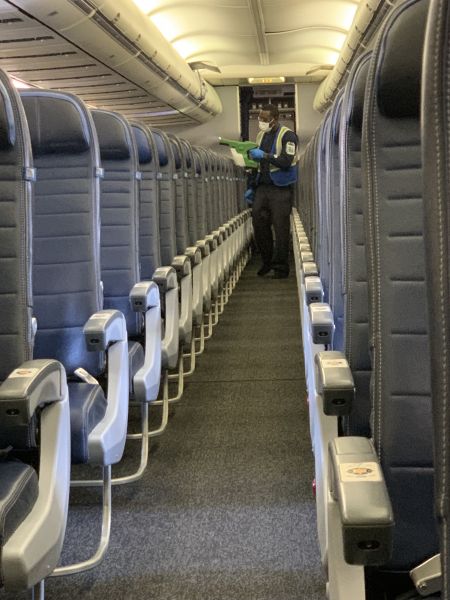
(166, 279)
(203, 246)
(313, 289)
(107, 330)
(306, 256)
(144, 295)
(182, 266)
(195, 256)
(322, 323)
(34, 384)
(211, 240)
(224, 232)
(310, 268)
(335, 383)
(102, 329)
(358, 485)
(144, 298)
(34, 549)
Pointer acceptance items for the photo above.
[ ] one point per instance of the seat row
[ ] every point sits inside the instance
(371, 252)
(120, 246)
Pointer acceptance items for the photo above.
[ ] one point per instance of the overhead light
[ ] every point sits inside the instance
(266, 79)
(145, 5)
(185, 48)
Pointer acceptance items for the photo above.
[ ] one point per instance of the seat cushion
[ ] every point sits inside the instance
(19, 489)
(135, 360)
(87, 409)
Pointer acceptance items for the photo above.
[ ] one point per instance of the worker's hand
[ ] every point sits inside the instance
(257, 154)
(249, 196)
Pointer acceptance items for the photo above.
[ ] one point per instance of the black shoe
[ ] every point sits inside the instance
(280, 275)
(264, 270)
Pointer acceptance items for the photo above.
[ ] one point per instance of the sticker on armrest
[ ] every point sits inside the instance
(357, 472)
(23, 373)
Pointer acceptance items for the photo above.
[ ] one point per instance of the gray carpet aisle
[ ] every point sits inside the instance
(225, 510)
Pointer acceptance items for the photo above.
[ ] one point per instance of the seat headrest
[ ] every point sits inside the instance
(401, 69)
(56, 123)
(143, 146)
(7, 124)
(176, 154)
(162, 150)
(113, 140)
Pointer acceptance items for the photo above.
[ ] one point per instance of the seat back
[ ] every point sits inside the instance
(321, 218)
(356, 323)
(400, 385)
(207, 184)
(200, 189)
(436, 159)
(66, 226)
(149, 245)
(334, 214)
(16, 305)
(191, 190)
(119, 214)
(167, 211)
(180, 187)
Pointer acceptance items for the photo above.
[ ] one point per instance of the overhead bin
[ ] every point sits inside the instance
(119, 35)
(367, 20)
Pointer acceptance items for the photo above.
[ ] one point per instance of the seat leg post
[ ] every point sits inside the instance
(209, 325)
(191, 355)
(97, 558)
(201, 339)
(38, 591)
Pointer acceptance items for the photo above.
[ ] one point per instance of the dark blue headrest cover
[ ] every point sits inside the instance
(7, 124)
(399, 77)
(143, 146)
(112, 136)
(176, 154)
(162, 150)
(56, 125)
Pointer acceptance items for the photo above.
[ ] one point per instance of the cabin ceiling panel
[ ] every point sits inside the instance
(253, 33)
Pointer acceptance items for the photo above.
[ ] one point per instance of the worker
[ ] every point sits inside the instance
(272, 191)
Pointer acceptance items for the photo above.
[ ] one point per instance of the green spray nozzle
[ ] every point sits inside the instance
(241, 148)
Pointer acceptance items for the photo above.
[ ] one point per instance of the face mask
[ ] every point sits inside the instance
(264, 126)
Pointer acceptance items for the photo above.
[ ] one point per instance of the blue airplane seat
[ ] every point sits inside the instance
(34, 405)
(72, 327)
(167, 206)
(435, 152)
(354, 272)
(149, 245)
(398, 501)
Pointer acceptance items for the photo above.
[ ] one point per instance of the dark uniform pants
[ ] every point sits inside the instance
(272, 206)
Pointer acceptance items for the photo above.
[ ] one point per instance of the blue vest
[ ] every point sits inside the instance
(280, 177)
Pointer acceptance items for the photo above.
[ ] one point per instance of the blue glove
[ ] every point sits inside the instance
(256, 154)
(249, 196)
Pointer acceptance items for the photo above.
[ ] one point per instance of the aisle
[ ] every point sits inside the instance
(225, 510)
